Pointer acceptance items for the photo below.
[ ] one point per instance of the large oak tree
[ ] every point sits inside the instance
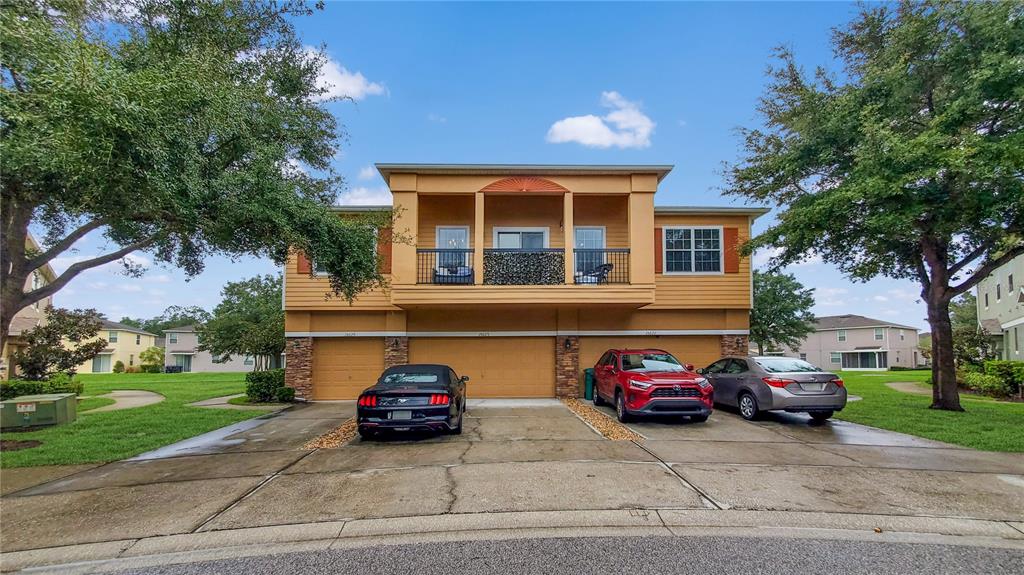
(910, 163)
(180, 128)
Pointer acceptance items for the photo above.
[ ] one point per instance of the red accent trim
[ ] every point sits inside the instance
(384, 250)
(524, 184)
(304, 266)
(731, 247)
(658, 253)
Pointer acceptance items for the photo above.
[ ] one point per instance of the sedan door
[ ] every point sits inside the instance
(723, 384)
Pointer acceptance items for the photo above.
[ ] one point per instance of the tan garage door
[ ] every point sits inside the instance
(496, 366)
(700, 350)
(344, 366)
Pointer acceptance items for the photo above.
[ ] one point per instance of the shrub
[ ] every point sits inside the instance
(119, 366)
(63, 383)
(152, 369)
(901, 368)
(262, 386)
(971, 368)
(987, 384)
(286, 394)
(132, 369)
(1010, 372)
(58, 383)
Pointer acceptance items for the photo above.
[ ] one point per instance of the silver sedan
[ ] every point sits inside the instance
(766, 383)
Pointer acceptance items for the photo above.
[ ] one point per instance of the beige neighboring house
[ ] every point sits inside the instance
(854, 342)
(27, 318)
(124, 343)
(1001, 307)
(181, 349)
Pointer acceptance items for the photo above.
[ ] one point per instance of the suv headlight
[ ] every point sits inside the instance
(639, 385)
(702, 382)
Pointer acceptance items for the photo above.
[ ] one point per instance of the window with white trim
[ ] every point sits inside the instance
(803, 357)
(841, 335)
(692, 250)
(172, 338)
(902, 336)
(521, 238)
(111, 337)
(999, 292)
(835, 357)
(879, 334)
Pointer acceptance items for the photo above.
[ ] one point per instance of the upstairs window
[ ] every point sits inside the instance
(138, 339)
(999, 292)
(879, 334)
(841, 335)
(112, 337)
(692, 250)
(1009, 283)
(986, 300)
(172, 338)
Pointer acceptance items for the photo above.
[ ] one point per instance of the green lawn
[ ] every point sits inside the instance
(113, 435)
(986, 424)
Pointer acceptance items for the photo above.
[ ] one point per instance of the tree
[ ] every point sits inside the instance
(248, 321)
(781, 315)
(61, 344)
(973, 346)
(173, 316)
(181, 129)
(963, 312)
(909, 165)
(152, 356)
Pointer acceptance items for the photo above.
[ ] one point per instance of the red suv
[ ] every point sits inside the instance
(651, 382)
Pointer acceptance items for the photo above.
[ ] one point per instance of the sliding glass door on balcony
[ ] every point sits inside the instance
(453, 241)
(525, 239)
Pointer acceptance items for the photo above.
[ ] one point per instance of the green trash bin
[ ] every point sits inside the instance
(588, 383)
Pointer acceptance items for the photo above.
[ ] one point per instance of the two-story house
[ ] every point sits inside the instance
(124, 344)
(854, 342)
(28, 317)
(181, 350)
(1001, 307)
(520, 276)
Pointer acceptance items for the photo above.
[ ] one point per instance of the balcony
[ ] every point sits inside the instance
(601, 266)
(444, 266)
(524, 267)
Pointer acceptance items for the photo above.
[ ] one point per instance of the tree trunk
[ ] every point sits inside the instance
(944, 389)
(760, 348)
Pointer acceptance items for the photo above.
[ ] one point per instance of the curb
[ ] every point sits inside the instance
(248, 542)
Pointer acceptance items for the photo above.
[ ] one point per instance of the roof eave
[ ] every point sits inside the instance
(386, 169)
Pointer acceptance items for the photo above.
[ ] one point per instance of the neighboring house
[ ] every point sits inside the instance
(1001, 308)
(124, 344)
(520, 277)
(27, 318)
(855, 342)
(182, 350)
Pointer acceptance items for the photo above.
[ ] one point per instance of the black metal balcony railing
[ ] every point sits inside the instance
(444, 266)
(524, 266)
(601, 266)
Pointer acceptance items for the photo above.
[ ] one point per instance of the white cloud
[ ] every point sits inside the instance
(764, 256)
(341, 83)
(366, 196)
(367, 173)
(156, 292)
(830, 296)
(133, 288)
(436, 118)
(880, 298)
(624, 127)
(160, 279)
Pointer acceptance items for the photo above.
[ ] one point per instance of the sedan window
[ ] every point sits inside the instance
(736, 366)
(785, 365)
(650, 362)
(401, 378)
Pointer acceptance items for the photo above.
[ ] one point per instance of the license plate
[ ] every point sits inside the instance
(812, 386)
(401, 415)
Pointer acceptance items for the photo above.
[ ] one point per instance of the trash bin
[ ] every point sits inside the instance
(588, 382)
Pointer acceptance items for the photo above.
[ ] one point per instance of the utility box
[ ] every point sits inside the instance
(38, 410)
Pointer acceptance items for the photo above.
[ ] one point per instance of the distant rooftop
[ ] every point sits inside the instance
(118, 326)
(851, 321)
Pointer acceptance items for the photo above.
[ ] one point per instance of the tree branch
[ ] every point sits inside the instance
(64, 244)
(983, 272)
(77, 268)
(975, 254)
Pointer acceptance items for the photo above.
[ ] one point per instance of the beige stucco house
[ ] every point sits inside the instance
(124, 344)
(181, 350)
(854, 342)
(1001, 307)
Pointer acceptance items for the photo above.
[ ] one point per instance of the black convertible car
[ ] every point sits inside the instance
(420, 397)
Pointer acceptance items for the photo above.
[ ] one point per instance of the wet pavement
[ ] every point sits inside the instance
(534, 456)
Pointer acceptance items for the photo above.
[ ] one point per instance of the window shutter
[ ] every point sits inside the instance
(658, 253)
(384, 250)
(304, 266)
(731, 249)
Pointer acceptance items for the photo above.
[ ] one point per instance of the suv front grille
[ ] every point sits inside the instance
(670, 392)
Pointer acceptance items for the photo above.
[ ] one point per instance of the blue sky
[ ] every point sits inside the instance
(540, 83)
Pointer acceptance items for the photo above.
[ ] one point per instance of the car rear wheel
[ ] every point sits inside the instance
(748, 406)
(598, 402)
(620, 409)
(821, 416)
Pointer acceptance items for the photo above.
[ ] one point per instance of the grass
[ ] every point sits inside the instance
(985, 424)
(244, 400)
(93, 403)
(114, 435)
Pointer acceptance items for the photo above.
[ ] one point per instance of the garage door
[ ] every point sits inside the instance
(496, 366)
(345, 366)
(700, 350)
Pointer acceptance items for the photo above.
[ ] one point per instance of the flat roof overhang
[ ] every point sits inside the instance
(660, 170)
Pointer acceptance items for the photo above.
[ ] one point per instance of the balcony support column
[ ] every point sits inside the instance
(478, 239)
(570, 239)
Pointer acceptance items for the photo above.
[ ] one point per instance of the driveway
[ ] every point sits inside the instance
(533, 456)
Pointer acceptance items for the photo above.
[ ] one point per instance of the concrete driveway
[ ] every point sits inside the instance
(515, 457)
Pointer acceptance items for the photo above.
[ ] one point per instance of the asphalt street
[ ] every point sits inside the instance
(626, 555)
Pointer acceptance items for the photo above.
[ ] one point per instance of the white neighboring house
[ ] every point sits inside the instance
(1001, 308)
(181, 349)
(858, 343)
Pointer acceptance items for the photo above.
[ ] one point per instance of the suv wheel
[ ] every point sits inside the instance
(748, 406)
(820, 416)
(598, 402)
(620, 409)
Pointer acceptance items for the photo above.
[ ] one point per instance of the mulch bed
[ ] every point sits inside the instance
(334, 438)
(16, 444)
(604, 425)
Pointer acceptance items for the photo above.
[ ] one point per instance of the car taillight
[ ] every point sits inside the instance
(777, 381)
(438, 399)
(367, 401)
(838, 382)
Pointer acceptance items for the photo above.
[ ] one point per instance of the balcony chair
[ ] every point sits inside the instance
(598, 275)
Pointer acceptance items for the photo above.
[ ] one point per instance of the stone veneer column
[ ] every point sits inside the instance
(396, 351)
(567, 366)
(298, 370)
(734, 345)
